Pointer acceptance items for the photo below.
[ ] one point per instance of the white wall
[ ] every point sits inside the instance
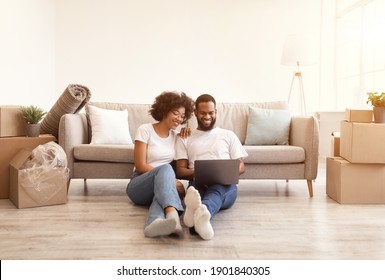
(131, 50)
(27, 52)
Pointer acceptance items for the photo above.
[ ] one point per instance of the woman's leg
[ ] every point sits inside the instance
(140, 189)
(165, 188)
(160, 223)
(163, 218)
(159, 184)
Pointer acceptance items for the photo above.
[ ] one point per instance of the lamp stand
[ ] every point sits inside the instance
(301, 91)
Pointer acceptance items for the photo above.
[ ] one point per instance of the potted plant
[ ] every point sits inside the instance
(377, 100)
(32, 115)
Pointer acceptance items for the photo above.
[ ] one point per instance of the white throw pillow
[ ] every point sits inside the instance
(109, 126)
(268, 127)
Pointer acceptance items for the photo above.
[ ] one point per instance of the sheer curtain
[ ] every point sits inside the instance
(360, 50)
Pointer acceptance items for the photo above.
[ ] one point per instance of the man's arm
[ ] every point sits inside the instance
(182, 170)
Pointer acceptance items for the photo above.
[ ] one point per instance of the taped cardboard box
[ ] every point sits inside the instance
(11, 124)
(362, 142)
(32, 186)
(359, 115)
(355, 183)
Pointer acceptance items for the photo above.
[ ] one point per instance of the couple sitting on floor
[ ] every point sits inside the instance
(154, 181)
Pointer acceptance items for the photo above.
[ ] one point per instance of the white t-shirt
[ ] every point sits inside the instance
(217, 143)
(159, 150)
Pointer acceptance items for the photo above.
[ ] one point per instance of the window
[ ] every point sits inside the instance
(360, 50)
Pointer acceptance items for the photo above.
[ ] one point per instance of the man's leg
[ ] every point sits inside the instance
(219, 197)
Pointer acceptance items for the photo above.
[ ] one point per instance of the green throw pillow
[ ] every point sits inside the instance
(268, 127)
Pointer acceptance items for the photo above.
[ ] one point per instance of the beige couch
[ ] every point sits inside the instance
(297, 160)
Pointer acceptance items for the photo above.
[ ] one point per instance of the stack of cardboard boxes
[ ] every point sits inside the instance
(356, 171)
(12, 144)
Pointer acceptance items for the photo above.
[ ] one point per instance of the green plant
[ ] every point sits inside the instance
(32, 114)
(376, 99)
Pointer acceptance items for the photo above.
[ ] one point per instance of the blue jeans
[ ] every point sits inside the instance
(157, 189)
(217, 197)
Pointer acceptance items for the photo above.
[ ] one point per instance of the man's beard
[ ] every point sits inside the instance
(203, 127)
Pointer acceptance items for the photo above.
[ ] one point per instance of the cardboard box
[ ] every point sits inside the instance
(11, 124)
(355, 183)
(335, 144)
(36, 186)
(359, 115)
(362, 142)
(9, 147)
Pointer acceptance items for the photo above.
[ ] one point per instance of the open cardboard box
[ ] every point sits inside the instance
(9, 147)
(32, 187)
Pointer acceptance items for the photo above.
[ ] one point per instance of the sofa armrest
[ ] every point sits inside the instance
(73, 131)
(304, 132)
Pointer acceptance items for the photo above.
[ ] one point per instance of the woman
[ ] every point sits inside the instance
(153, 182)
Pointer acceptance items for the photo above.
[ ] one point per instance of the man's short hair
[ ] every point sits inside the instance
(203, 99)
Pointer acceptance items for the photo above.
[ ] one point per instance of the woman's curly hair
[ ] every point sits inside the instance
(168, 101)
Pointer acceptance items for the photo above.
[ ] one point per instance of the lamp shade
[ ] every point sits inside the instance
(298, 50)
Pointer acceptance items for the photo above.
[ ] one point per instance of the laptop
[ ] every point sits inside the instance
(216, 171)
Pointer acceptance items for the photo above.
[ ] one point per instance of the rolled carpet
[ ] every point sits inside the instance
(72, 100)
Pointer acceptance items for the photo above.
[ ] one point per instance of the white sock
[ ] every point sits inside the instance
(175, 216)
(192, 201)
(160, 227)
(202, 223)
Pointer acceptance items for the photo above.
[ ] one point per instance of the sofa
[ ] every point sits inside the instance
(297, 158)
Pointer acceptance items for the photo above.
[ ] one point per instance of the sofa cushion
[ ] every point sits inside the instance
(108, 126)
(137, 113)
(125, 153)
(274, 154)
(268, 127)
(106, 153)
(234, 116)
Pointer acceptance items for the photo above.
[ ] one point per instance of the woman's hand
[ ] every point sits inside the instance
(185, 132)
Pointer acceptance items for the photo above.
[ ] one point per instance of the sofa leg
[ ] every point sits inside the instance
(310, 187)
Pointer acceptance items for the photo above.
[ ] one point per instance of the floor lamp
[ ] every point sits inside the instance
(297, 51)
(298, 74)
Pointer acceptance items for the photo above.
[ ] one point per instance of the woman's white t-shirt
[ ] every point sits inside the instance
(159, 150)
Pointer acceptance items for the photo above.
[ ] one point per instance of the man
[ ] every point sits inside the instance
(206, 142)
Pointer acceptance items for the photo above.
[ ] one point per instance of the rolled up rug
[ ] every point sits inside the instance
(72, 100)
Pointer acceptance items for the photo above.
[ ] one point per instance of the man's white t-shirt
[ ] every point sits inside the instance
(217, 143)
(159, 150)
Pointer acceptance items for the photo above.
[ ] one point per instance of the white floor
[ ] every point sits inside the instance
(271, 220)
